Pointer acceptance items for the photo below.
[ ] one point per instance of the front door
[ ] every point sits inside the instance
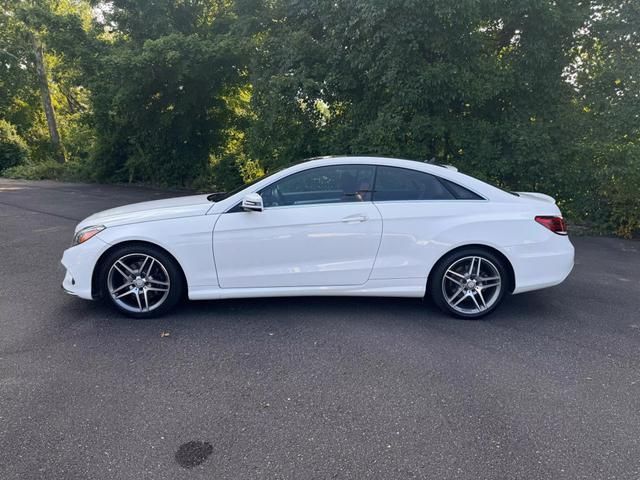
(318, 228)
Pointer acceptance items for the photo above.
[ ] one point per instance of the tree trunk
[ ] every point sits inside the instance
(46, 101)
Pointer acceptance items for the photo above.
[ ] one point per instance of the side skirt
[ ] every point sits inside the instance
(403, 287)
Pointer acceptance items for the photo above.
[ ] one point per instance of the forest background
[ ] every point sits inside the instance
(532, 95)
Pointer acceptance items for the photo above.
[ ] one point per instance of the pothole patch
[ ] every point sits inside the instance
(192, 454)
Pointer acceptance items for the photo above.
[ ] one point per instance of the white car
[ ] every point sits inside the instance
(360, 226)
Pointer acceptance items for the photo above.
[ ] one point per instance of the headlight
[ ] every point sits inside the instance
(86, 233)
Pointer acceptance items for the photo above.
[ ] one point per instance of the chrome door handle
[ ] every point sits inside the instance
(355, 219)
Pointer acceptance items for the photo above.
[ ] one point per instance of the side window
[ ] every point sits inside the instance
(394, 183)
(459, 191)
(331, 184)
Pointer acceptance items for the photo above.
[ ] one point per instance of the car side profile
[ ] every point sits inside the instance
(358, 226)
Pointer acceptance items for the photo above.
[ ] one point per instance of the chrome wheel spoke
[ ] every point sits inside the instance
(473, 297)
(128, 292)
(138, 300)
(481, 297)
(473, 261)
(125, 266)
(155, 289)
(464, 296)
(451, 278)
(119, 270)
(453, 272)
(490, 284)
(488, 279)
(124, 285)
(458, 292)
(157, 282)
(153, 260)
(141, 269)
(146, 299)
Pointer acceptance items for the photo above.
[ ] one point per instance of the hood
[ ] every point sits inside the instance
(189, 206)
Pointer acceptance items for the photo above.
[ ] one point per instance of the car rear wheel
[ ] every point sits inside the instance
(469, 283)
(141, 281)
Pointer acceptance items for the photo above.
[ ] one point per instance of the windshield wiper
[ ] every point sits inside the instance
(216, 196)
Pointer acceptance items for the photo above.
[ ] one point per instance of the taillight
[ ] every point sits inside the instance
(555, 224)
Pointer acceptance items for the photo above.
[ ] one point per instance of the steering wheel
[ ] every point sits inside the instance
(273, 197)
(277, 195)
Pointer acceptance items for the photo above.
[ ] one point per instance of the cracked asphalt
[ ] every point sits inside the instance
(309, 388)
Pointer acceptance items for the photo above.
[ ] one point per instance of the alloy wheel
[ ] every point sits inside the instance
(138, 282)
(471, 285)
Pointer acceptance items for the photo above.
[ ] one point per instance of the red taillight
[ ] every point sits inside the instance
(555, 224)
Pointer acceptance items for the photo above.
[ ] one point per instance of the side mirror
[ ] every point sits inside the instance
(252, 203)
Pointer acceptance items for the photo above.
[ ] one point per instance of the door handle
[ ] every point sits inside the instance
(355, 219)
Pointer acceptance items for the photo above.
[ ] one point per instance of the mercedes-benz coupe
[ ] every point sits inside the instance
(362, 226)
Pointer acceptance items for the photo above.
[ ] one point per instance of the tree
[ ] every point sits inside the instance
(13, 149)
(45, 94)
(530, 94)
(460, 81)
(24, 47)
(607, 79)
(159, 91)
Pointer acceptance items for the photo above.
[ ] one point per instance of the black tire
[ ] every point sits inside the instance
(165, 269)
(438, 287)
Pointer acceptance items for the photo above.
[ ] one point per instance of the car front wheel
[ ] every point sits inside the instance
(141, 281)
(469, 283)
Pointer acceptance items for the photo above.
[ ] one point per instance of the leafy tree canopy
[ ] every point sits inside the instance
(531, 94)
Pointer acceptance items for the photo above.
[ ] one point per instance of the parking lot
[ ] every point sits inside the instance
(309, 388)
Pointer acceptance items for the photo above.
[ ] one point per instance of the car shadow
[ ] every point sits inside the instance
(256, 315)
(514, 306)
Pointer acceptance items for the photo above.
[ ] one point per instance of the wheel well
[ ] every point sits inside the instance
(497, 253)
(95, 281)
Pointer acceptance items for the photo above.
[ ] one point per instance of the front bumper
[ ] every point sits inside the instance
(68, 283)
(79, 262)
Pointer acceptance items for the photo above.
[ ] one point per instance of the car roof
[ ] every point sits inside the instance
(376, 160)
(439, 170)
(483, 189)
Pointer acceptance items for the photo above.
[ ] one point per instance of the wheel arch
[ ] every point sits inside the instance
(505, 260)
(95, 280)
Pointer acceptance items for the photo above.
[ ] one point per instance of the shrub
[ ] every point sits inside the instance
(51, 170)
(13, 149)
(620, 190)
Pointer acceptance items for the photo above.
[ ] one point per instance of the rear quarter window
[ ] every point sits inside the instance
(460, 192)
(395, 183)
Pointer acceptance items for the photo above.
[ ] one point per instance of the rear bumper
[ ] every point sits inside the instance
(79, 262)
(542, 265)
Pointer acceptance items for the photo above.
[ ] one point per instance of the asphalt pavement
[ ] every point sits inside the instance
(309, 388)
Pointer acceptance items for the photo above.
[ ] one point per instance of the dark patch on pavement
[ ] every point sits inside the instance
(192, 454)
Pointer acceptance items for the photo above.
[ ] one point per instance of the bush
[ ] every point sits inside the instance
(13, 149)
(620, 182)
(51, 170)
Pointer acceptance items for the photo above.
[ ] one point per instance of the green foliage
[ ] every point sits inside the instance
(158, 109)
(411, 78)
(500, 89)
(13, 148)
(529, 94)
(70, 171)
